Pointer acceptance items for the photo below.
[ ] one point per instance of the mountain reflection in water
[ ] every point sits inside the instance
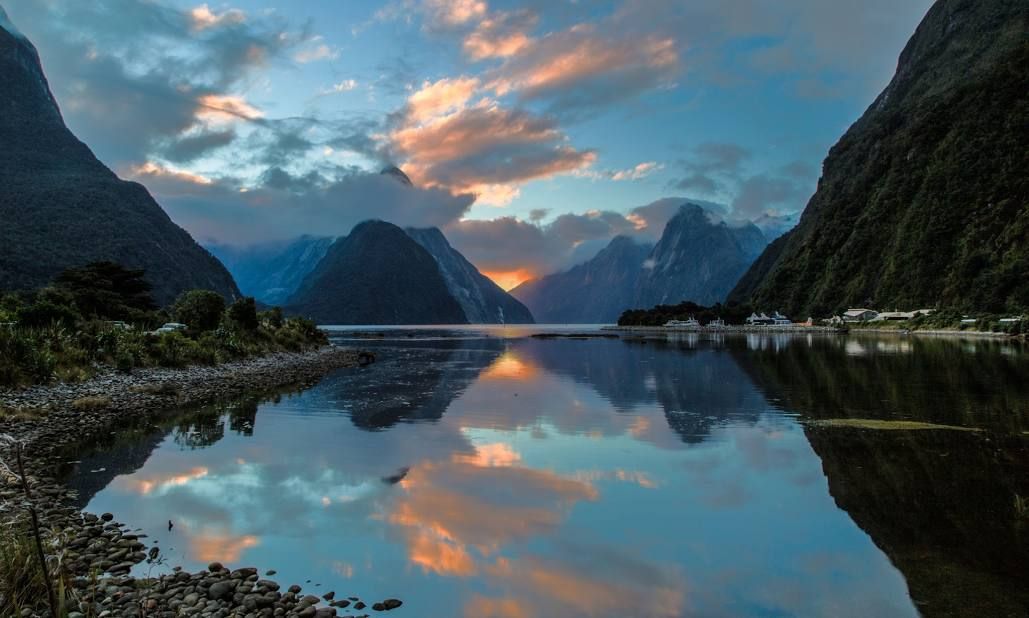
(491, 476)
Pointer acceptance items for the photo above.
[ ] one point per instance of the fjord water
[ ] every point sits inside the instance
(487, 473)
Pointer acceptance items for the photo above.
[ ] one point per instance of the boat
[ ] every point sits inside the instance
(690, 323)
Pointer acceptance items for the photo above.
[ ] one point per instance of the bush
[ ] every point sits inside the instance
(88, 403)
(243, 313)
(200, 310)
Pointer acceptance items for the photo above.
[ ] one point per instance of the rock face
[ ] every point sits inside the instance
(595, 292)
(61, 207)
(377, 275)
(923, 202)
(272, 272)
(483, 301)
(698, 259)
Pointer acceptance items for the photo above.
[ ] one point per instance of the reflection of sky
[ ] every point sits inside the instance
(533, 495)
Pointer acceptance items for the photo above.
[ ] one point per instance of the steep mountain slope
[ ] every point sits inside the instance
(61, 207)
(925, 200)
(483, 301)
(377, 275)
(594, 292)
(698, 259)
(272, 272)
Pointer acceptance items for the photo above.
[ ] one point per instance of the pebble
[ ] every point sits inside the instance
(99, 543)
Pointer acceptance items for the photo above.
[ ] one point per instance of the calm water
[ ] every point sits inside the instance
(480, 472)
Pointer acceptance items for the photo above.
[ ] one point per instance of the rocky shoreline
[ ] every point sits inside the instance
(96, 552)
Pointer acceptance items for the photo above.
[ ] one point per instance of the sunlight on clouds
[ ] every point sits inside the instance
(434, 99)
(156, 170)
(455, 12)
(147, 486)
(510, 366)
(203, 17)
(225, 108)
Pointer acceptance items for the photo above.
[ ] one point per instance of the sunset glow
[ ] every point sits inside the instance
(510, 279)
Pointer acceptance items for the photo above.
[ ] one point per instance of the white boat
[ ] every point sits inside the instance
(690, 323)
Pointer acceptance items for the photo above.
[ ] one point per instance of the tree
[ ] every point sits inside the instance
(243, 313)
(201, 310)
(107, 290)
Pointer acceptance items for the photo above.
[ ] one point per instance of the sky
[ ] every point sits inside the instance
(533, 131)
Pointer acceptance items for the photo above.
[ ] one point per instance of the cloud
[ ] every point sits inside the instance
(484, 148)
(342, 86)
(283, 205)
(587, 66)
(721, 170)
(503, 35)
(451, 13)
(133, 77)
(313, 53)
(196, 144)
(203, 17)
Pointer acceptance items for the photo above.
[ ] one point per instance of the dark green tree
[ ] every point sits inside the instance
(107, 290)
(243, 313)
(200, 310)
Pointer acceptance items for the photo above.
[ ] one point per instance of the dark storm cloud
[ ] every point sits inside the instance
(194, 146)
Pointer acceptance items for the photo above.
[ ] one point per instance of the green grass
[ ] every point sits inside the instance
(886, 425)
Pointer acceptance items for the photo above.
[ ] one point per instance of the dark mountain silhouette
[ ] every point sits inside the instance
(483, 301)
(60, 207)
(925, 200)
(377, 275)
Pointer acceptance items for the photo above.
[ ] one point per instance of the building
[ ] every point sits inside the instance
(859, 315)
(779, 319)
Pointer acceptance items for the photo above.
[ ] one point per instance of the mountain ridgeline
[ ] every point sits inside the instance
(272, 272)
(482, 301)
(698, 258)
(925, 200)
(60, 207)
(382, 274)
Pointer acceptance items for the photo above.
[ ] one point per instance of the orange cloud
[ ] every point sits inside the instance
(500, 36)
(450, 508)
(146, 486)
(579, 55)
(208, 547)
(156, 170)
(510, 279)
(485, 607)
(555, 590)
(455, 12)
(203, 17)
(490, 455)
(224, 108)
(439, 97)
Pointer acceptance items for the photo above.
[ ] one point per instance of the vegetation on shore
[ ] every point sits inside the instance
(732, 313)
(103, 315)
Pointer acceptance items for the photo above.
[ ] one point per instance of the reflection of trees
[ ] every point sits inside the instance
(699, 385)
(200, 430)
(243, 416)
(942, 504)
(415, 382)
(932, 380)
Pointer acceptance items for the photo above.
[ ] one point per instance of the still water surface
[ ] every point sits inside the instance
(482, 472)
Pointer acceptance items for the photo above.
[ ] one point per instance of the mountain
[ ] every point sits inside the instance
(925, 200)
(699, 258)
(595, 292)
(483, 301)
(377, 275)
(272, 272)
(61, 207)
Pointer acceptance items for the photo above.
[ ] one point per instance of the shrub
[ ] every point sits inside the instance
(200, 310)
(92, 402)
(243, 313)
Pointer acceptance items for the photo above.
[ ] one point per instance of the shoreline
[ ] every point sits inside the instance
(98, 545)
(808, 330)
